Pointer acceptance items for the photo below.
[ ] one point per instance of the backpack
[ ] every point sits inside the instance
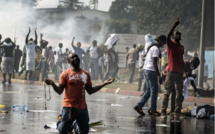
(149, 49)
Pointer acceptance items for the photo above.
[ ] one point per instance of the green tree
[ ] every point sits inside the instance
(157, 17)
(119, 26)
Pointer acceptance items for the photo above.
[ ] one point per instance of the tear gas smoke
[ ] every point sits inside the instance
(58, 26)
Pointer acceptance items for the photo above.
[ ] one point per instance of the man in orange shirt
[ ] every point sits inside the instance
(75, 81)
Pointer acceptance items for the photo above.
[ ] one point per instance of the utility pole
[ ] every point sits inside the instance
(202, 46)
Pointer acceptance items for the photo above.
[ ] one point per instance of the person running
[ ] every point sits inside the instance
(7, 59)
(151, 75)
(74, 81)
(175, 71)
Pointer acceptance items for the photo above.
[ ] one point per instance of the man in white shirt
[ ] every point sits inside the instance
(30, 55)
(95, 53)
(151, 74)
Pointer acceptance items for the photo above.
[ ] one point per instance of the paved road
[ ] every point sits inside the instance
(115, 110)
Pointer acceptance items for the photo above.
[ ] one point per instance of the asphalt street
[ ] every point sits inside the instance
(116, 111)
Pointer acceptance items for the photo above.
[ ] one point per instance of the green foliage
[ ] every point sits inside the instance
(119, 26)
(158, 16)
(98, 123)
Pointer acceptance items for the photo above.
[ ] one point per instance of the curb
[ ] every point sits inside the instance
(125, 92)
(138, 93)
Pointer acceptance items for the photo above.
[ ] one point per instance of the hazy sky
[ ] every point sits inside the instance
(103, 5)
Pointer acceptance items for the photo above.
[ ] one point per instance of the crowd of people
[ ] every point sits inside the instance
(37, 59)
(71, 70)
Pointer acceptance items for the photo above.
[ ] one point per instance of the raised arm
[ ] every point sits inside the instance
(58, 89)
(2, 42)
(26, 40)
(13, 43)
(91, 90)
(72, 43)
(35, 30)
(172, 29)
(41, 38)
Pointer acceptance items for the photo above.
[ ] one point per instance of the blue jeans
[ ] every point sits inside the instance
(151, 90)
(64, 125)
(94, 68)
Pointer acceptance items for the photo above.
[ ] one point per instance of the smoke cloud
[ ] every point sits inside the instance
(58, 26)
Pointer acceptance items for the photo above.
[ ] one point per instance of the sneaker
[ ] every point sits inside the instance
(139, 110)
(154, 113)
(163, 115)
